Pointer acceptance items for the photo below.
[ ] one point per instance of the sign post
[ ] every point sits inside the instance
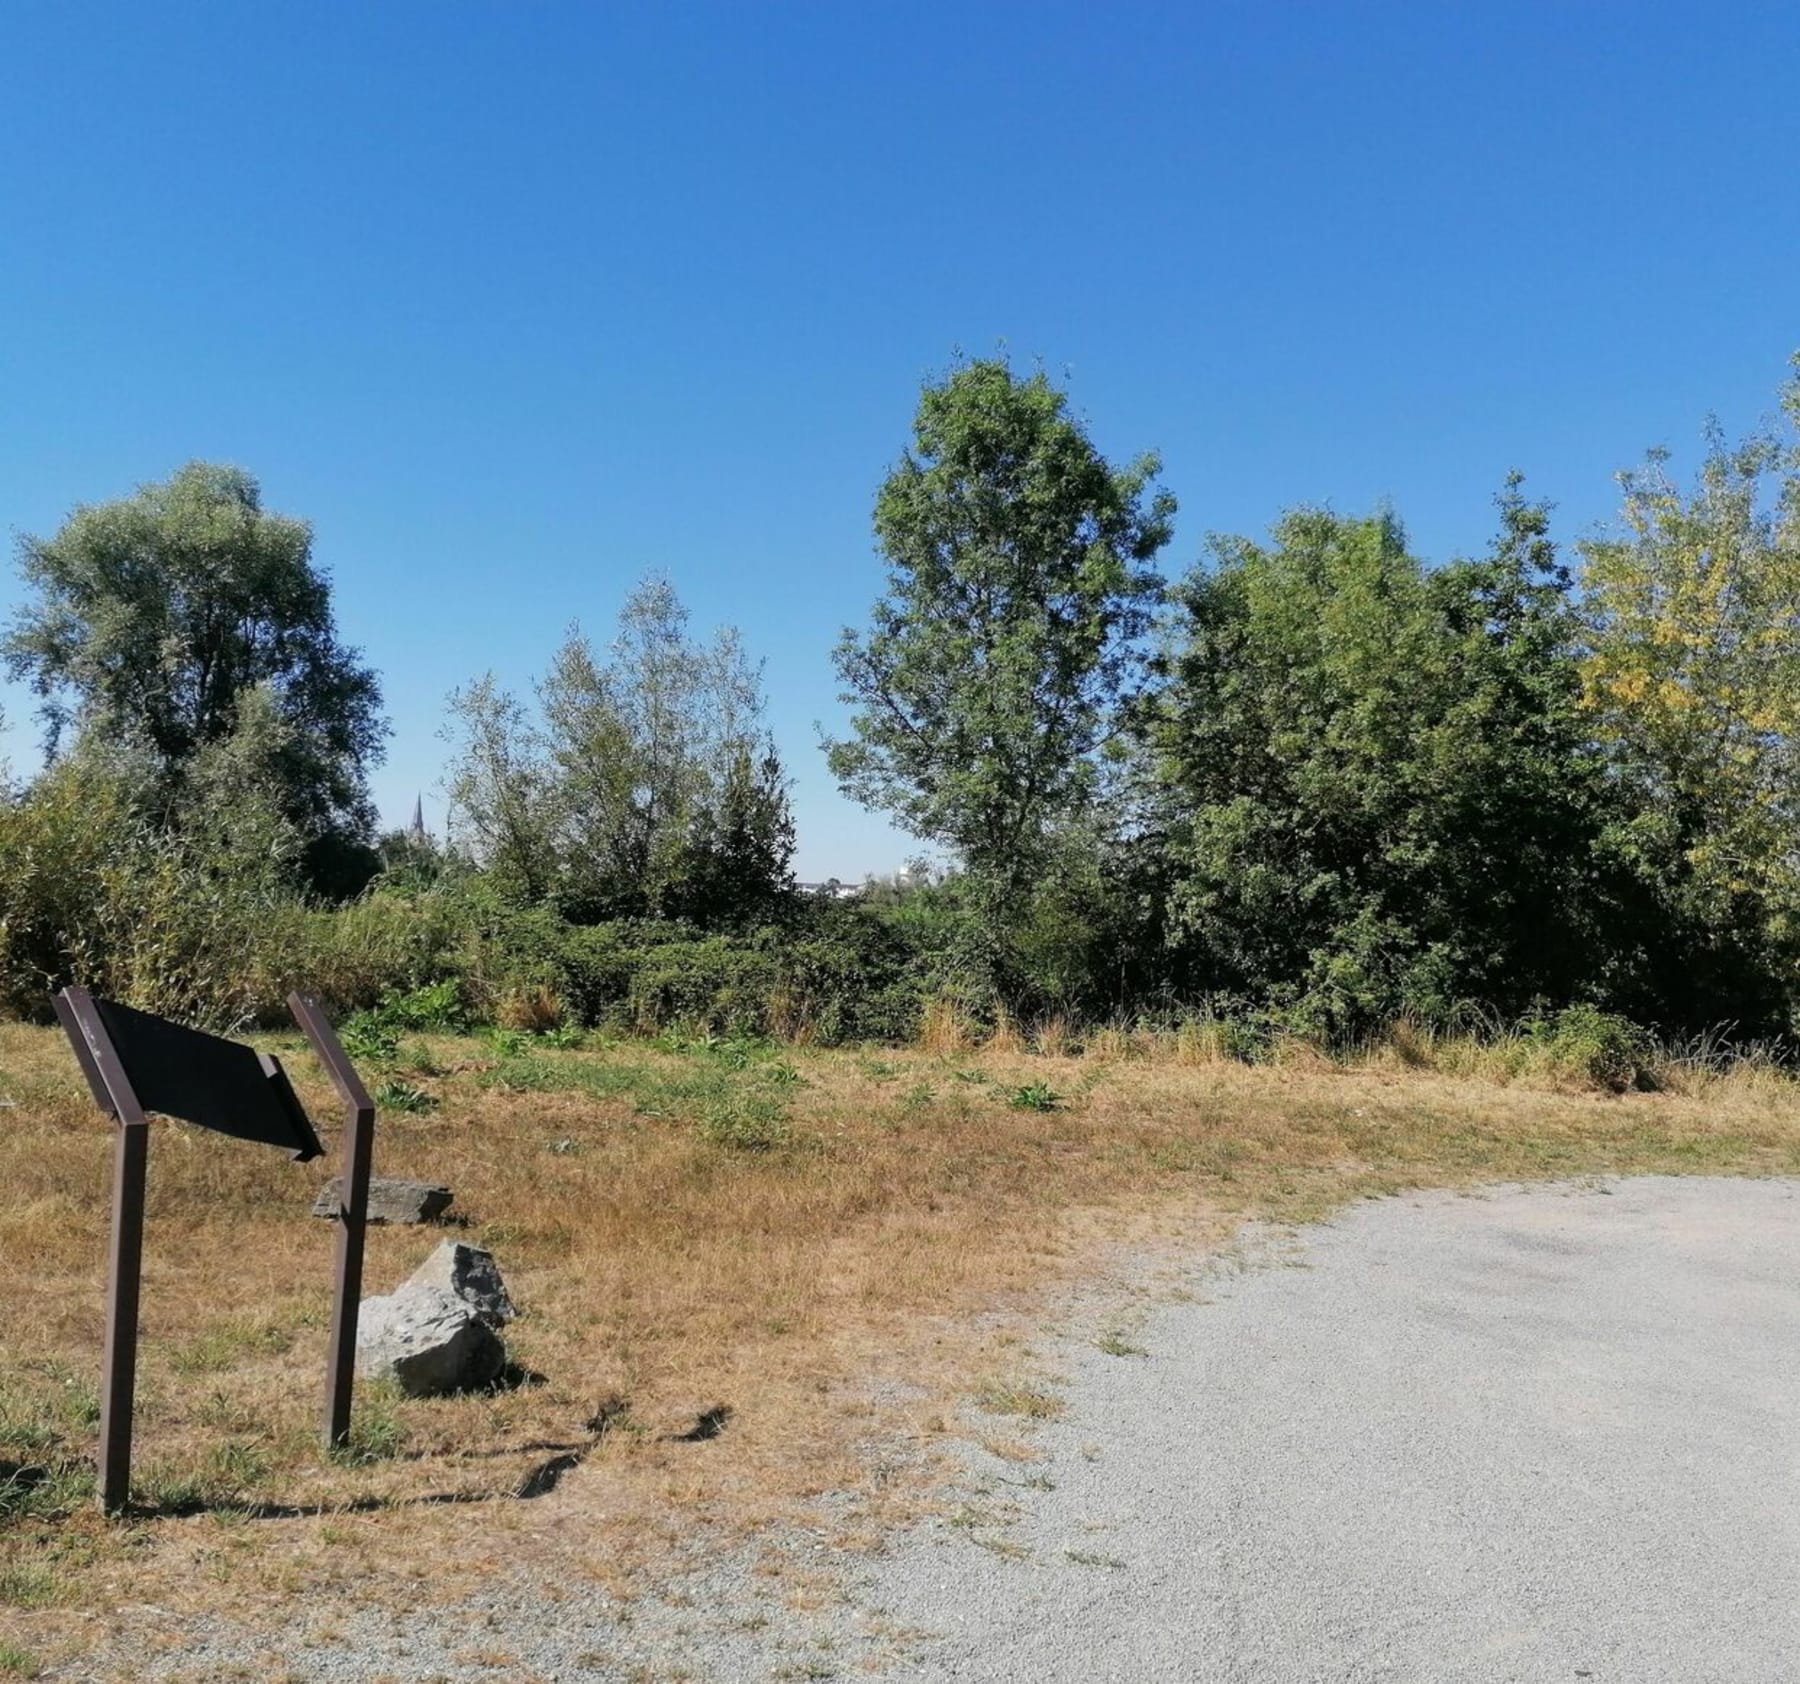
(136, 1063)
(352, 1213)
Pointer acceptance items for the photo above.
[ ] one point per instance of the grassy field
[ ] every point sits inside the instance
(748, 1275)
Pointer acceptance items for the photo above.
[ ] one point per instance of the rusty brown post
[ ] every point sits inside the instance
(352, 1212)
(118, 1381)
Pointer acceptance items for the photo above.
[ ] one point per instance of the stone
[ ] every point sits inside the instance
(471, 1274)
(390, 1199)
(427, 1342)
(439, 1331)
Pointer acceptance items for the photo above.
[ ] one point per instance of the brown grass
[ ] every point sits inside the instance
(819, 1250)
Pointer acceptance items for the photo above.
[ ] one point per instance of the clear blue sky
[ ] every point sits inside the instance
(516, 301)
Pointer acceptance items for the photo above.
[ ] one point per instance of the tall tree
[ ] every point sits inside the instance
(1019, 582)
(502, 796)
(1693, 681)
(176, 618)
(661, 758)
(1375, 791)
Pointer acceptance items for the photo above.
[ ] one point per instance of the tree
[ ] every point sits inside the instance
(1693, 682)
(674, 801)
(644, 785)
(1019, 583)
(174, 619)
(502, 794)
(1374, 790)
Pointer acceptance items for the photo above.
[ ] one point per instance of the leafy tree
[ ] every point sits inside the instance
(502, 793)
(173, 620)
(673, 800)
(1374, 792)
(1693, 683)
(743, 845)
(1019, 581)
(645, 785)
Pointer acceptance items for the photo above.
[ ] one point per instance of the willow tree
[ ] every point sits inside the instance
(188, 625)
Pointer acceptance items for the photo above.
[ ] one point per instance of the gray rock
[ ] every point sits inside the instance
(390, 1199)
(427, 1342)
(471, 1274)
(438, 1331)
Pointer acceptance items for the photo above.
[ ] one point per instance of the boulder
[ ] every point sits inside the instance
(440, 1330)
(471, 1274)
(390, 1199)
(427, 1343)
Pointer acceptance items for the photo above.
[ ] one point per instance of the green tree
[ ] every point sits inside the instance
(1692, 680)
(1374, 792)
(1020, 580)
(504, 805)
(185, 615)
(668, 781)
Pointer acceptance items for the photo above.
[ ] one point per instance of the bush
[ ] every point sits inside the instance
(1597, 1047)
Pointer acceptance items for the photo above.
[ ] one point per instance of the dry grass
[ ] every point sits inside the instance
(811, 1251)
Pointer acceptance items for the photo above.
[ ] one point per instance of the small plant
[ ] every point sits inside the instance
(1114, 1344)
(404, 1096)
(1597, 1047)
(377, 1433)
(510, 1043)
(565, 1036)
(1005, 1397)
(746, 1123)
(1033, 1096)
(26, 1584)
(367, 1040)
(436, 1006)
(221, 1346)
(19, 1663)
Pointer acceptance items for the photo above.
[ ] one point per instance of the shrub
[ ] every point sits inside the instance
(1597, 1047)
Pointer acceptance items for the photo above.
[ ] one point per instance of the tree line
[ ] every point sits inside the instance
(1315, 780)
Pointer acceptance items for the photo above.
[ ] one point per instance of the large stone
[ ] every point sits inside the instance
(427, 1342)
(471, 1274)
(390, 1199)
(440, 1330)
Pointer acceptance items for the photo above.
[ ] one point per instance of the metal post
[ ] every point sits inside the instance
(118, 1380)
(352, 1213)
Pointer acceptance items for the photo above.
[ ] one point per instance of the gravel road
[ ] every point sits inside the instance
(1532, 1435)
(1535, 1434)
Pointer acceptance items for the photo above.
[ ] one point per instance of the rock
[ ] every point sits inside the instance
(390, 1199)
(471, 1274)
(440, 1330)
(427, 1342)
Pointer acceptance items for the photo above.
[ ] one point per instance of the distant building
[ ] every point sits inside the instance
(831, 889)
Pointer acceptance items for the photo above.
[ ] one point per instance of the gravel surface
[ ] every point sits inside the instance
(1523, 1435)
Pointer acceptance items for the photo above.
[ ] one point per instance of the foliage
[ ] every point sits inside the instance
(644, 786)
(1371, 790)
(190, 626)
(1019, 579)
(1692, 680)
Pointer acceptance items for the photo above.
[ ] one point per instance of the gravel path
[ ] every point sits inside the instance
(1524, 1435)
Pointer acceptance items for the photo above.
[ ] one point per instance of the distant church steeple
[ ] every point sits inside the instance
(416, 830)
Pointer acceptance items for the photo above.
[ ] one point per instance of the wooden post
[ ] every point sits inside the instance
(118, 1380)
(352, 1213)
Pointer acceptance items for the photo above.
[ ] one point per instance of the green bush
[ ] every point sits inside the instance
(1596, 1047)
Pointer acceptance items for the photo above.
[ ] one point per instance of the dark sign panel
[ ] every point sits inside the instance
(218, 1084)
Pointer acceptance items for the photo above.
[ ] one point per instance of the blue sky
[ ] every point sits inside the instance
(519, 301)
